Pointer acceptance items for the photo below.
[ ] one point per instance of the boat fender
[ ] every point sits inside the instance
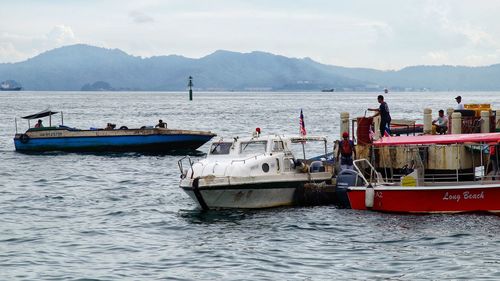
(24, 138)
(369, 196)
(304, 168)
(123, 128)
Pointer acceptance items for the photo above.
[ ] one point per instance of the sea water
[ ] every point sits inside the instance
(81, 216)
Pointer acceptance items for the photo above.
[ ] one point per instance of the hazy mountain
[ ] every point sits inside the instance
(77, 66)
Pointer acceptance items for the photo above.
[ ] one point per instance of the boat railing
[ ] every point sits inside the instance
(246, 159)
(181, 165)
(374, 177)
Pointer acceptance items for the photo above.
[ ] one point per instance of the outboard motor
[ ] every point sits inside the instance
(345, 179)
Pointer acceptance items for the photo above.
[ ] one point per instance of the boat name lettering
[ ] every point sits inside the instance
(378, 194)
(51, 134)
(466, 195)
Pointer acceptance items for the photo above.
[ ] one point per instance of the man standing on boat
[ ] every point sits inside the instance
(345, 151)
(459, 106)
(385, 116)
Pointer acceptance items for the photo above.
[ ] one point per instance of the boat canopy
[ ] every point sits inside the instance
(40, 114)
(438, 139)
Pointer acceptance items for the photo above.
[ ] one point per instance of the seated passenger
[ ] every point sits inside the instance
(110, 126)
(39, 124)
(161, 124)
(441, 123)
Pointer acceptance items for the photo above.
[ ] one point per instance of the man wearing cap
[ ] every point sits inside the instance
(459, 106)
(345, 151)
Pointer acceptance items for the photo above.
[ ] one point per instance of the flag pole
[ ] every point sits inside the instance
(302, 132)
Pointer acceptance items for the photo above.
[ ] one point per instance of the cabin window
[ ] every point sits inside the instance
(278, 146)
(220, 148)
(254, 147)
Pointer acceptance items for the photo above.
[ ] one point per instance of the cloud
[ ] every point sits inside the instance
(449, 23)
(61, 34)
(9, 53)
(140, 17)
(436, 56)
(15, 47)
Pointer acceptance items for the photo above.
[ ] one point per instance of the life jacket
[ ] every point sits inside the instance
(346, 147)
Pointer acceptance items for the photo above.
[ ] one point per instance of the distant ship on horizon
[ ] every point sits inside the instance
(328, 90)
(6, 86)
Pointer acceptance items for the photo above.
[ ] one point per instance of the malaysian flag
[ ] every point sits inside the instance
(371, 133)
(302, 125)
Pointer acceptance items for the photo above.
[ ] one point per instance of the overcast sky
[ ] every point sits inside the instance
(382, 34)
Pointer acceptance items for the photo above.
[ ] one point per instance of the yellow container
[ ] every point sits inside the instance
(471, 106)
(478, 108)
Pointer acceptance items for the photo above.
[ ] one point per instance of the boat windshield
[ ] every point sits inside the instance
(253, 147)
(311, 148)
(220, 148)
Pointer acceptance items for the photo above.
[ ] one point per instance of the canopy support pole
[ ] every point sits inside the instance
(62, 118)
(457, 160)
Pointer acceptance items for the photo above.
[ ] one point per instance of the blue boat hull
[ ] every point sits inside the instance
(137, 143)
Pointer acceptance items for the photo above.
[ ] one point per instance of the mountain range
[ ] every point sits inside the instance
(77, 67)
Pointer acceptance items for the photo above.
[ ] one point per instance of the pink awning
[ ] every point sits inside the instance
(439, 139)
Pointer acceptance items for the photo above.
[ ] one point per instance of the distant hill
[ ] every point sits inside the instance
(80, 66)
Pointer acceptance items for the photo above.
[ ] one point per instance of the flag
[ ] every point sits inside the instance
(302, 125)
(371, 133)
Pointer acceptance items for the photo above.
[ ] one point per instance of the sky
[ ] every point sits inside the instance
(382, 34)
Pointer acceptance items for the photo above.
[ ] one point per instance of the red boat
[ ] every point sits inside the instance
(365, 188)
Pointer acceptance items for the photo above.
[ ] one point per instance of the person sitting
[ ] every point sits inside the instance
(161, 124)
(345, 152)
(441, 123)
(39, 124)
(110, 126)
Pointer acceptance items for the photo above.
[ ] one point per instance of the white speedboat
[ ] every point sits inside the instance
(256, 172)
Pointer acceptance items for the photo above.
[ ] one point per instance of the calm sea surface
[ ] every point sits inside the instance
(69, 216)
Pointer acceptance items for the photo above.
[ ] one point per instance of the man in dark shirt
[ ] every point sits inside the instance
(161, 124)
(385, 116)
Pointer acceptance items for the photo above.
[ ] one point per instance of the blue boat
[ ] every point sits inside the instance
(145, 139)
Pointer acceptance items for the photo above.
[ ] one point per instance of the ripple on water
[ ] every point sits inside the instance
(101, 216)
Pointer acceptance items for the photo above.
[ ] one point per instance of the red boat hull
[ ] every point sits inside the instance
(470, 198)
